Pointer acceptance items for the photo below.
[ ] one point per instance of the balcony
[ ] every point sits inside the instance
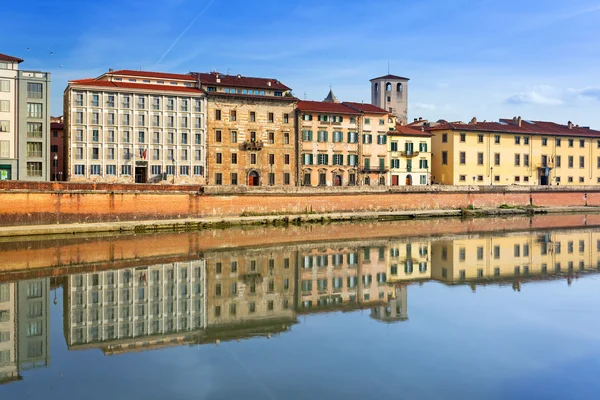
(252, 145)
(409, 154)
(374, 169)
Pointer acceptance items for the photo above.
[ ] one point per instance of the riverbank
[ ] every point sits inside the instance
(192, 224)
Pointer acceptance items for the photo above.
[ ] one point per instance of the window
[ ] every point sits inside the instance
(110, 153)
(271, 117)
(126, 169)
(233, 158)
(4, 86)
(271, 179)
(517, 139)
(581, 162)
(218, 136)
(322, 136)
(219, 158)
(218, 178)
(271, 159)
(444, 158)
(4, 106)
(286, 138)
(34, 169)
(517, 160)
(184, 170)
(34, 129)
(34, 90)
(156, 170)
(111, 169)
(479, 158)
(462, 178)
(497, 139)
(271, 138)
(367, 139)
(234, 178)
(544, 141)
(557, 142)
(286, 178)
(526, 140)
(463, 157)
(95, 170)
(198, 170)
(496, 158)
(307, 136)
(381, 139)
(253, 158)
(444, 138)
(218, 115)
(570, 161)
(352, 137)
(479, 138)
(34, 110)
(581, 143)
(557, 161)
(463, 137)
(526, 160)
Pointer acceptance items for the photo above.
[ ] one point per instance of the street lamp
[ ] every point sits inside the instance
(491, 176)
(55, 165)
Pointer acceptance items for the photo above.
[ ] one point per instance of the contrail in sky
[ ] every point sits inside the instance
(185, 30)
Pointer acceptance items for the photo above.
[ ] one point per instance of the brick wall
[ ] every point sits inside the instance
(42, 203)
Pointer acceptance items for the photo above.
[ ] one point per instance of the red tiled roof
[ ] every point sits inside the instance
(149, 74)
(239, 81)
(253, 96)
(132, 85)
(366, 108)
(325, 107)
(388, 76)
(403, 130)
(6, 57)
(527, 127)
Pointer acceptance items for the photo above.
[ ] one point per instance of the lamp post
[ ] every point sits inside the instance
(55, 165)
(491, 176)
(173, 168)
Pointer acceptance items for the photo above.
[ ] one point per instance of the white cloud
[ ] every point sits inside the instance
(533, 97)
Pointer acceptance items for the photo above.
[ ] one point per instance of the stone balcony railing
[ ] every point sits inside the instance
(256, 145)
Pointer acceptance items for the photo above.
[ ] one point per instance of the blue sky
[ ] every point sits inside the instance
(491, 59)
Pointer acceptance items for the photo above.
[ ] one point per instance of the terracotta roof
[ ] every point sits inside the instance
(6, 57)
(253, 96)
(403, 130)
(239, 81)
(326, 107)
(149, 74)
(388, 76)
(527, 127)
(132, 85)
(366, 108)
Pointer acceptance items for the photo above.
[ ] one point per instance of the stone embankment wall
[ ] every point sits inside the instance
(57, 202)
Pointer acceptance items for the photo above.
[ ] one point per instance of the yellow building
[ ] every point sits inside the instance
(410, 156)
(515, 151)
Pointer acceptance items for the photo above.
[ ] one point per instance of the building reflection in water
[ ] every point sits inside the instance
(24, 327)
(233, 294)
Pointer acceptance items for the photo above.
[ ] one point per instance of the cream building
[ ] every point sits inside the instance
(136, 126)
(410, 156)
(515, 152)
(24, 122)
(9, 369)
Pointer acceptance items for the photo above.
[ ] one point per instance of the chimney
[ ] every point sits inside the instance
(269, 83)
(420, 118)
(519, 120)
(570, 124)
(473, 121)
(239, 76)
(110, 70)
(416, 120)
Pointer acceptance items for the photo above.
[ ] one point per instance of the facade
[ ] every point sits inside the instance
(342, 144)
(24, 122)
(390, 92)
(57, 148)
(375, 126)
(250, 130)
(410, 156)
(515, 152)
(129, 307)
(135, 126)
(33, 321)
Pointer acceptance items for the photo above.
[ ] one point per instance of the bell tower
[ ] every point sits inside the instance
(390, 92)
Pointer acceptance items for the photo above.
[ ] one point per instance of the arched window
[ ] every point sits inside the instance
(376, 87)
(399, 88)
(388, 87)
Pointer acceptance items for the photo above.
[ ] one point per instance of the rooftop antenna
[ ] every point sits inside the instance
(228, 69)
(304, 95)
(388, 67)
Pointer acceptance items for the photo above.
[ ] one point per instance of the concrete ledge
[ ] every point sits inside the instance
(191, 224)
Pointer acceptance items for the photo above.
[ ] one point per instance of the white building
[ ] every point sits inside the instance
(135, 126)
(24, 122)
